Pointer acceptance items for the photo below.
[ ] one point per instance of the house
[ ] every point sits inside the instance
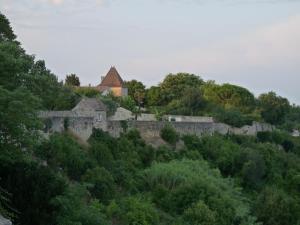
(113, 82)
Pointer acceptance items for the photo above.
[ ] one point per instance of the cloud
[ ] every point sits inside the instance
(270, 46)
(274, 45)
(56, 2)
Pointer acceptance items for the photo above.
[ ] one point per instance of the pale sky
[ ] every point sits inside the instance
(253, 43)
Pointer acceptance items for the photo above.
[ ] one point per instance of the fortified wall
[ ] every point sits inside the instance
(153, 128)
(91, 113)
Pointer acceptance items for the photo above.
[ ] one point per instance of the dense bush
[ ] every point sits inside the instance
(169, 134)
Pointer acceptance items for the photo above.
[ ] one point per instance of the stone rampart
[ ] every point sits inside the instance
(152, 129)
(82, 125)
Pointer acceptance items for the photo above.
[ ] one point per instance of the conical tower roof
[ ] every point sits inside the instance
(112, 79)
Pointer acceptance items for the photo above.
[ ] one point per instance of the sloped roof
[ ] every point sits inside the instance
(112, 79)
(90, 104)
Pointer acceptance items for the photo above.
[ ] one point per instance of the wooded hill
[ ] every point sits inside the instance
(211, 180)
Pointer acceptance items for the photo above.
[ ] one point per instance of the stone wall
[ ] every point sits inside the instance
(152, 129)
(124, 114)
(80, 124)
(195, 119)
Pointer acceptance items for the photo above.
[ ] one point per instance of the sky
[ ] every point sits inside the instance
(252, 43)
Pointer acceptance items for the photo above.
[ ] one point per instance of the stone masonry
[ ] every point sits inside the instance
(91, 113)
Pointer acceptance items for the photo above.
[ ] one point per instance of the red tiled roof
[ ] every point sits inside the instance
(112, 79)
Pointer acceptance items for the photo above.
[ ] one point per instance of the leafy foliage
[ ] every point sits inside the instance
(18, 127)
(169, 134)
(274, 108)
(86, 91)
(72, 80)
(136, 90)
(6, 32)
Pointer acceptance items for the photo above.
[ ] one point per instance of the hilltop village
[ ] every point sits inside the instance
(91, 113)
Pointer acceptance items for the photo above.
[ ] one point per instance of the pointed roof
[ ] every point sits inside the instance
(88, 104)
(112, 79)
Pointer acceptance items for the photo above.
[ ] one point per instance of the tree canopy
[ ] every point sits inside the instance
(72, 80)
(273, 108)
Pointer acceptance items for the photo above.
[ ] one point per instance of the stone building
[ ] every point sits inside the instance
(89, 113)
(113, 82)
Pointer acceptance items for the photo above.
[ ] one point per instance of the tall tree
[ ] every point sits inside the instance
(6, 32)
(230, 96)
(136, 90)
(273, 108)
(14, 65)
(174, 85)
(153, 96)
(72, 80)
(193, 100)
(18, 121)
(44, 84)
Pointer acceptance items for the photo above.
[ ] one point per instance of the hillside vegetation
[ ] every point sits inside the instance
(222, 180)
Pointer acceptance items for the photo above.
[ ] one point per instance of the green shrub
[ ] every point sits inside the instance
(234, 118)
(169, 134)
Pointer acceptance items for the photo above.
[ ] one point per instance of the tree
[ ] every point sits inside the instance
(32, 187)
(89, 92)
(6, 32)
(273, 108)
(233, 117)
(127, 102)
(19, 69)
(199, 214)
(102, 183)
(44, 84)
(254, 168)
(136, 90)
(14, 65)
(275, 207)
(192, 100)
(72, 80)
(230, 96)
(174, 85)
(192, 188)
(76, 207)
(110, 103)
(135, 210)
(153, 97)
(18, 118)
(63, 153)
